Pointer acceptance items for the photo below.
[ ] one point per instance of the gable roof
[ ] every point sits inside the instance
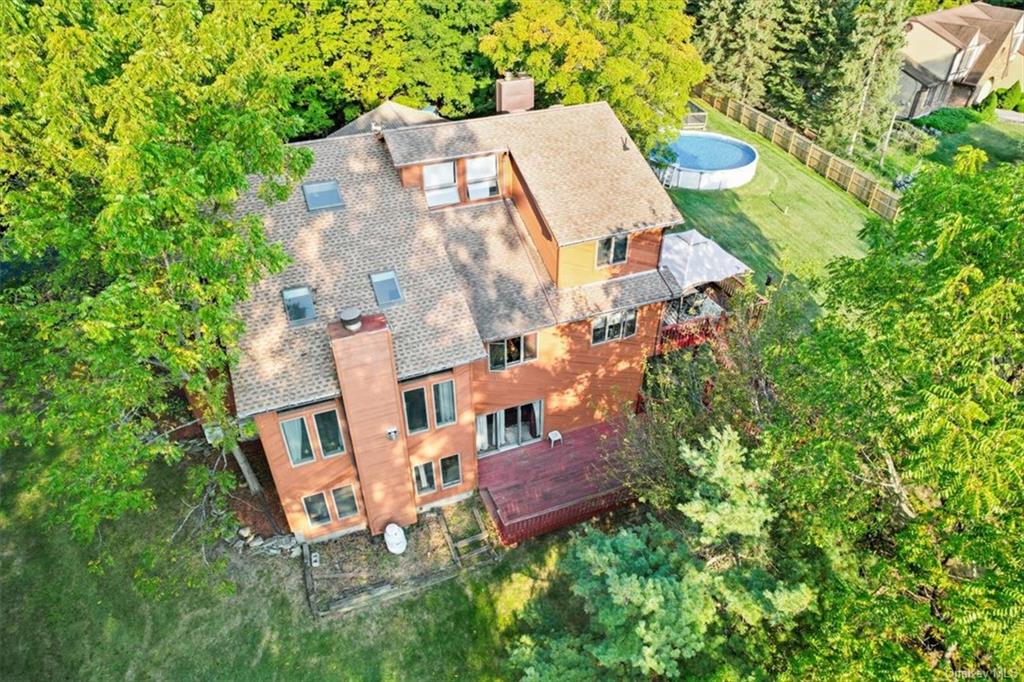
(960, 26)
(387, 115)
(588, 178)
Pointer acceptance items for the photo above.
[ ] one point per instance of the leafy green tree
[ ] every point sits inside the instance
(636, 56)
(738, 39)
(128, 131)
(900, 446)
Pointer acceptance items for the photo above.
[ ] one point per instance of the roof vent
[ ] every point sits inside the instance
(513, 93)
(351, 319)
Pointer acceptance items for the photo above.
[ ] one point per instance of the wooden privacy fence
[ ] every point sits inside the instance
(867, 189)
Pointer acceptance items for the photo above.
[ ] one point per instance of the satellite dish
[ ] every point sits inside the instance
(394, 538)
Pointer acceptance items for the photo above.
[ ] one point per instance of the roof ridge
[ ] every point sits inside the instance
(552, 108)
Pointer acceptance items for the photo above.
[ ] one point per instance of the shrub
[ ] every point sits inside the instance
(987, 107)
(1010, 97)
(1020, 106)
(949, 120)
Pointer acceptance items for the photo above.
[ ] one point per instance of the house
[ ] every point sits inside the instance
(956, 57)
(460, 294)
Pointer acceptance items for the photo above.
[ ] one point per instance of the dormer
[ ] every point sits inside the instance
(463, 180)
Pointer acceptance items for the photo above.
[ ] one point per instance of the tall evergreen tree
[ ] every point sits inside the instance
(738, 40)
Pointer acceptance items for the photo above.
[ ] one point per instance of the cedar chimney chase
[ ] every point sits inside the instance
(513, 93)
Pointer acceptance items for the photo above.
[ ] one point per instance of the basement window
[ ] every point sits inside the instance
(298, 305)
(345, 502)
(439, 184)
(451, 471)
(423, 478)
(612, 251)
(316, 509)
(482, 177)
(385, 288)
(322, 195)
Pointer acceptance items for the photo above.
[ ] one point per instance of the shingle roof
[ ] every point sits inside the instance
(588, 178)
(382, 227)
(388, 115)
(959, 26)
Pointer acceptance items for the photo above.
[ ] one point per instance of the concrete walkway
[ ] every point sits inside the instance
(1010, 116)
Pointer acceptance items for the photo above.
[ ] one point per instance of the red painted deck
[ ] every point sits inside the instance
(538, 488)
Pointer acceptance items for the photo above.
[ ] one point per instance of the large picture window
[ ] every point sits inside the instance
(511, 427)
(482, 177)
(439, 185)
(345, 502)
(296, 440)
(415, 410)
(612, 251)
(328, 430)
(316, 509)
(423, 478)
(619, 325)
(444, 403)
(510, 352)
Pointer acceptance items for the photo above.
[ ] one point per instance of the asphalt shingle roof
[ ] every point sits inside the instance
(388, 115)
(588, 178)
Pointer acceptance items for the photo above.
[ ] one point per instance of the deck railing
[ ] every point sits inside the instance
(515, 531)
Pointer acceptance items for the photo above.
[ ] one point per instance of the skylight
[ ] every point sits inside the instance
(298, 305)
(385, 288)
(322, 195)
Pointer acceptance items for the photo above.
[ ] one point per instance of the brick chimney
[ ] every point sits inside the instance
(513, 93)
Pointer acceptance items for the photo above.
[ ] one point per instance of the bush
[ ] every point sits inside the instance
(1010, 97)
(949, 120)
(987, 107)
(1020, 106)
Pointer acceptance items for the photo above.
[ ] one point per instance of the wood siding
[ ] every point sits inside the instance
(438, 443)
(295, 482)
(581, 384)
(539, 232)
(577, 263)
(366, 372)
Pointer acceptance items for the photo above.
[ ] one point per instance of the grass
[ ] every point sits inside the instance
(1001, 140)
(76, 612)
(788, 219)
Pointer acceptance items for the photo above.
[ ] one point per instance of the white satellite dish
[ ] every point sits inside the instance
(394, 538)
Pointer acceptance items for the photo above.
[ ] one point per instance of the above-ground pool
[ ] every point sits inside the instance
(698, 160)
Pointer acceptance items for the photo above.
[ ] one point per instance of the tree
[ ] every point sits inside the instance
(636, 56)
(738, 40)
(901, 439)
(129, 130)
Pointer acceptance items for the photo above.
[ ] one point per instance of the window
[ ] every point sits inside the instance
(451, 471)
(316, 509)
(296, 439)
(509, 428)
(439, 184)
(513, 351)
(345, 502)
(423, 478)
(444, 403)
(328, 430)
(612, 250)
(385, 288)
(298, 305)
(613, 326)
(322, 195)
(482, 177)
(415, 410)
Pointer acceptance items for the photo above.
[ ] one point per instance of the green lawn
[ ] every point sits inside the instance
(67, 615)
(788, 219)
(1001, 140)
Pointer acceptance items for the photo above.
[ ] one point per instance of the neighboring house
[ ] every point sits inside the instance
(956, 57)
(457, 292)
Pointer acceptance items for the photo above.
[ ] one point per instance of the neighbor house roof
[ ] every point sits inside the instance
(959, 26)
(695, 260)
(381, 227)
(588, 178)
(388, 115)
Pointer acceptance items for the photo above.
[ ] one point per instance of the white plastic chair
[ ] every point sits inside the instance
(554, 437)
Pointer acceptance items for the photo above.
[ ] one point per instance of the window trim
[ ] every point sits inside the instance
(327, 506)
(405, 410)
(611, 253)
(329, 207)
(458, 458)
(320, 441)
(491, 180)
(622, 312)
(312, 303)
(455, 403)
(446, 186)
(522, 348)
(394, 277)
(415, 485)
(500, 425)
(334, 501)
(284, 438)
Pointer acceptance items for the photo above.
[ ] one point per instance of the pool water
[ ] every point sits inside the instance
(707, 152)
